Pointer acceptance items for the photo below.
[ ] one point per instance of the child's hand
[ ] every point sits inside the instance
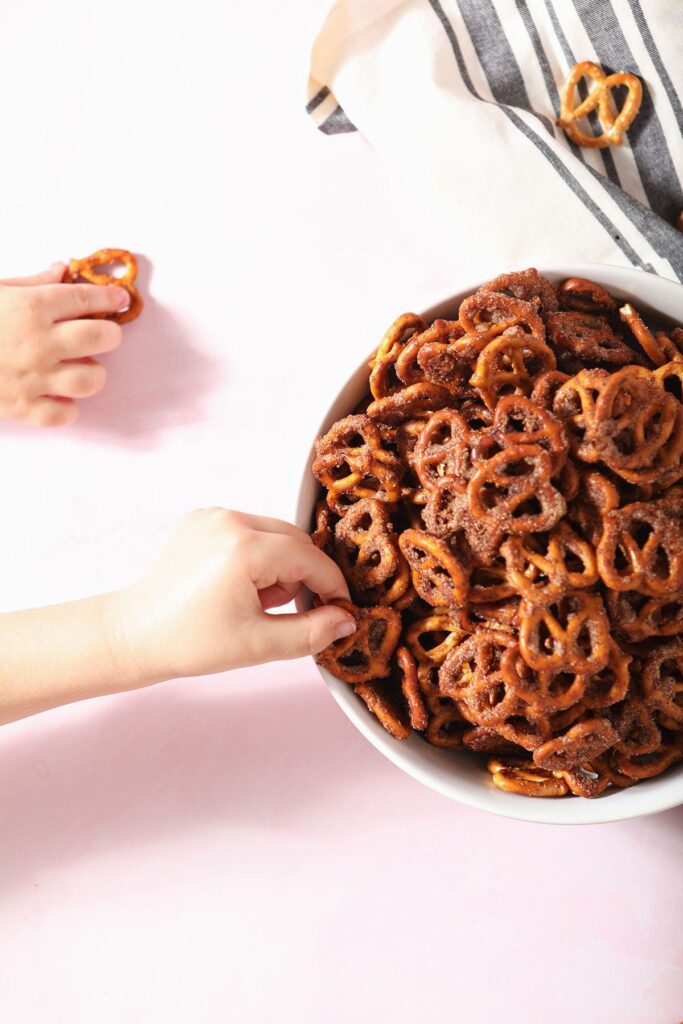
(46, 346)
(201, 607)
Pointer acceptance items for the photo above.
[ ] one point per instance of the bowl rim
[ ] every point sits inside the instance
(649, 796)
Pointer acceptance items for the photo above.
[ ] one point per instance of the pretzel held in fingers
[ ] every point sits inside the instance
(366, 654)
(86, 269)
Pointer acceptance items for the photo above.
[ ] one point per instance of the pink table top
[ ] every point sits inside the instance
(230, 848)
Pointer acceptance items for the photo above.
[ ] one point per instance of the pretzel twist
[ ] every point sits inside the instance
(574, 404)
(441, 628)
(409, 402)
(383, 377)
(641, 549)
(636, 617)
(527, 285)
(537, 565)
(322, 534)
(647, 766)
(651, 344)
(587, 739)
(438, 576)
(426, 358)
(663, 679)
(600, 97)
(519, 420)
(86, 270)
(512, 535)
(572, 634)
(447, 511)
(352, 464)
(487, 315)
(366, 654)
(510, 362)
(529, 782)
(582, 296)
(384, 710)
(365, 545)
(441, 447)
(588, 337)
(637, 428)
(446, 728)
(417, 710)
(512, 491)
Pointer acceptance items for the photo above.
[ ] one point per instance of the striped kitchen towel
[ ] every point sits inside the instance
(460, 98)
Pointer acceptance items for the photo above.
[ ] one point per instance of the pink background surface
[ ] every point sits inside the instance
(230, 848)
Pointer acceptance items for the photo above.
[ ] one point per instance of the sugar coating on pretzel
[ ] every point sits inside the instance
(428, 357)
(527, 285)
(410, 686)
(582, 296)
(509, 364)
(438, 574)
(543, 566)
(513, 491)
(365, 544)
(487, 315)
(384, 380)
(587, 336)
(663, 678)
(506, 506)
(90, 269)
(641, 548)
(366, 654)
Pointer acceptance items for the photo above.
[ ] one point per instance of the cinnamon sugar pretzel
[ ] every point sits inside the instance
(506, 509)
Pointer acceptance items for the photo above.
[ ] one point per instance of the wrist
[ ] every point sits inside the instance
(132, 655)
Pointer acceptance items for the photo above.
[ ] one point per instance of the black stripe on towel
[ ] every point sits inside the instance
(316, 100)
(496, 57)
(593, 120)
(656, 58)
(337, 123)
(646, 136)
(542, 147)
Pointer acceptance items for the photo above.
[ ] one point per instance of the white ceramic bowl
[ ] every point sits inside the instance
(461, 775)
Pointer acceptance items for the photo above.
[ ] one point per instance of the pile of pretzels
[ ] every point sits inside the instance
(506, 509)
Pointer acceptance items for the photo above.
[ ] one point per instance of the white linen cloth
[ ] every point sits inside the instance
(460, 98)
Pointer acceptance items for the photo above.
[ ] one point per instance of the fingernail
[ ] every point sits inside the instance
(345, 627)
(122, 298)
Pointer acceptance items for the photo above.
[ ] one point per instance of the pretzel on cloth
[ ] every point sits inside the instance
(600, 97)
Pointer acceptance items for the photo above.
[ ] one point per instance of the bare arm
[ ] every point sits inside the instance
(202, 607)
(55, 655)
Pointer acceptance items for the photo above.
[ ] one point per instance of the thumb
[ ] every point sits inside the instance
(53, 275)
(296, 635)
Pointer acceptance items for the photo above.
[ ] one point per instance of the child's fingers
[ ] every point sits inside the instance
(278, 594)
(266, 524)
(53, 412)
(273, 558)
(52, 275)
(295, 636)
(77, 380)
(76, 338)
(69, 301)
(262, 524)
